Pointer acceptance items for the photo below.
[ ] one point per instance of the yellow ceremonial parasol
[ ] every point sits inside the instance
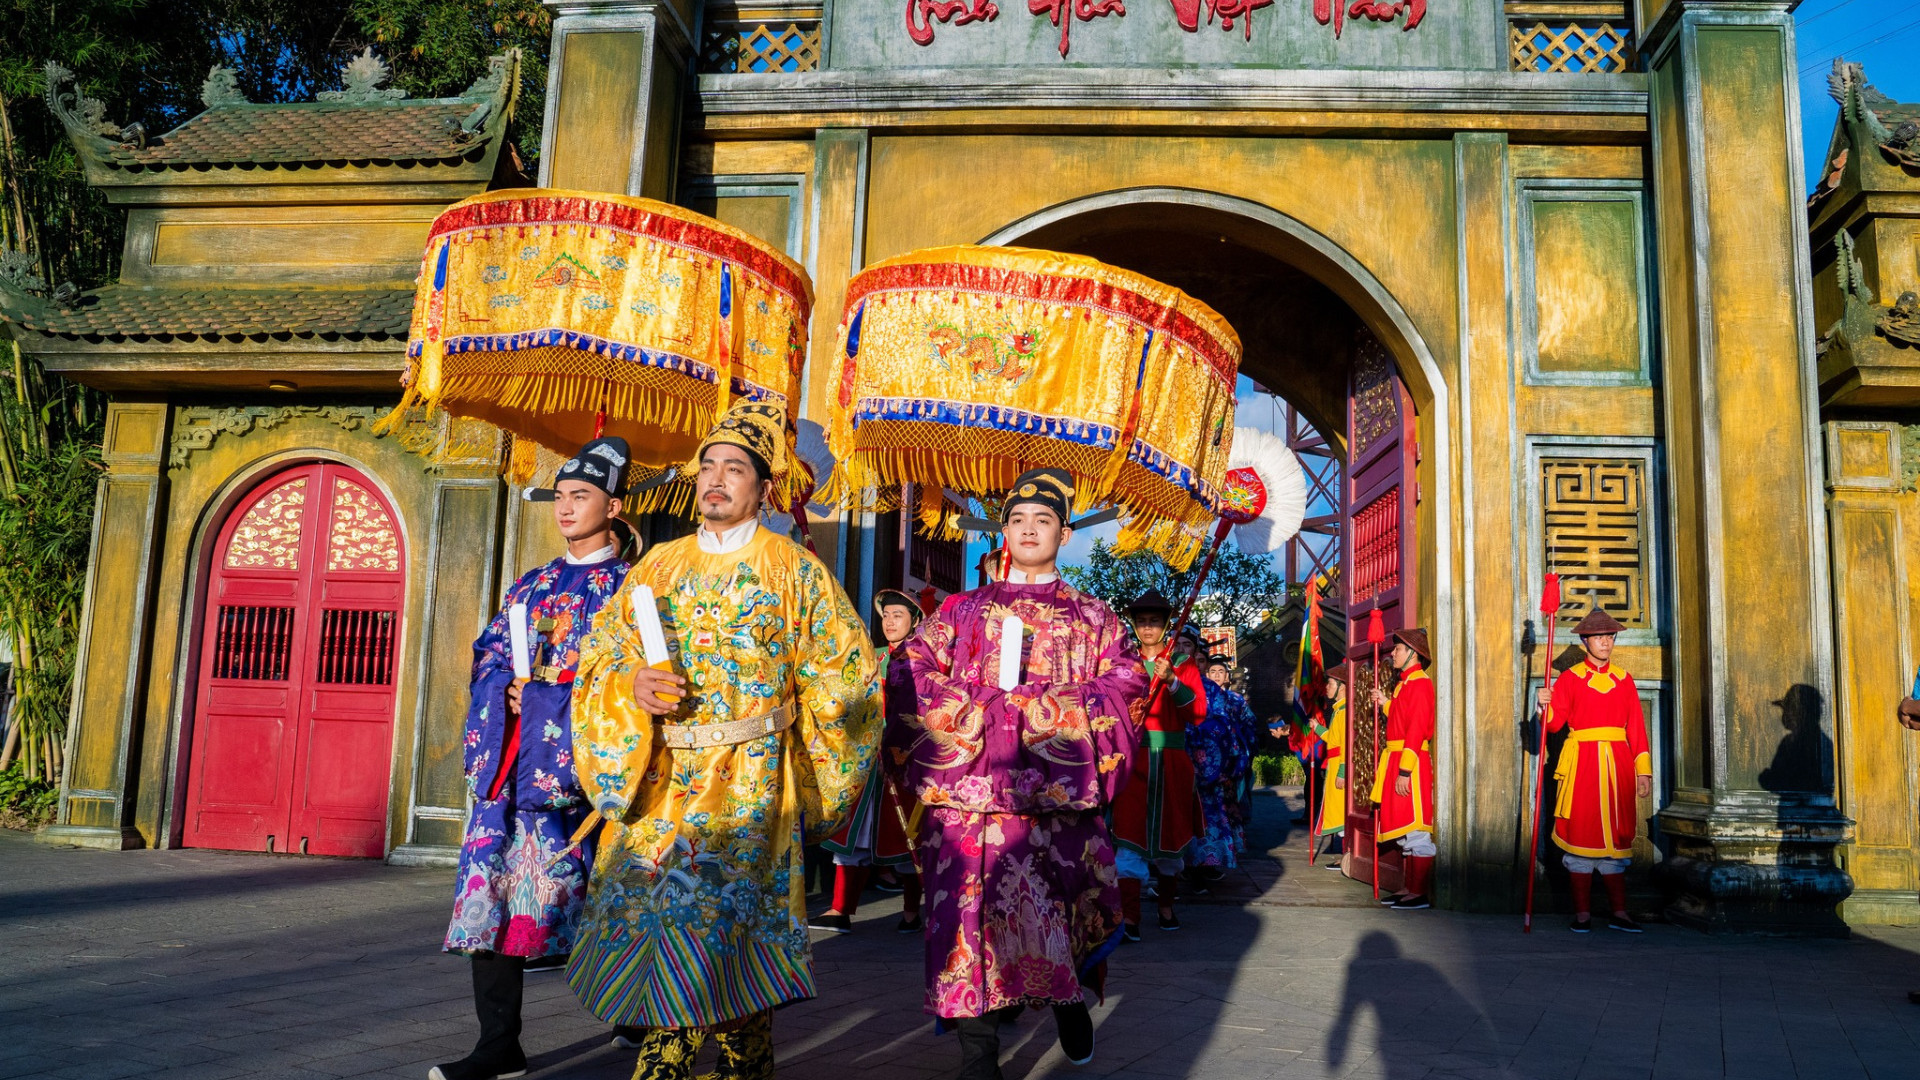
(562, 315)
(961, 367)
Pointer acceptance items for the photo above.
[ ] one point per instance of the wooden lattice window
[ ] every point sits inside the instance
(1544, 46)
(356, 646)
(1376, 545)
(775, 46)
(253, 642)
(1596, 526)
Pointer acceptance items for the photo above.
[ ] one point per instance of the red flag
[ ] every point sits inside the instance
(1376, 629)
(1550, 595)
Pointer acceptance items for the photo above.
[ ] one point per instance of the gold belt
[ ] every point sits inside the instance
(1598, 734)
(726, 733)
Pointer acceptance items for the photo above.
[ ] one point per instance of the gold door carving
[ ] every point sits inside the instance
(1594, 520)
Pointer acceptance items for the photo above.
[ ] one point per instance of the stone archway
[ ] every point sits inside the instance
(1306, 309)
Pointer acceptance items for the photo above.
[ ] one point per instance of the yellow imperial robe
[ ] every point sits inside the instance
(696, 911)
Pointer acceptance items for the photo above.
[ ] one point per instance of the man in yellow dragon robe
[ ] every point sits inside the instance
(714, 774)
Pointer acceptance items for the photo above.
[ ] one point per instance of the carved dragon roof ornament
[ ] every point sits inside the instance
(85, 117)
(1863, 317)
(221, 88)
(1848, 86)
(361, 81)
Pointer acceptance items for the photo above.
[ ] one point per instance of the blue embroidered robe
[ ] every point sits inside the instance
(506, 899)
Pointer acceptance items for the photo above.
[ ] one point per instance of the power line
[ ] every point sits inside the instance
(1846, 45)
(1811, 19)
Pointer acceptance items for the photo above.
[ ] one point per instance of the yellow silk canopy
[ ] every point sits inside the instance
(961, 367)
(539, 310)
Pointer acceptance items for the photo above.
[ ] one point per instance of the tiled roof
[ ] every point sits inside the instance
(315, 131)
(125, 312)
(361, 124)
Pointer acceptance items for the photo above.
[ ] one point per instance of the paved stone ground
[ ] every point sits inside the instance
(212, 965)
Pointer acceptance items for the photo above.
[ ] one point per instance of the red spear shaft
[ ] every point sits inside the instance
(1550, 611)
(1376, 633)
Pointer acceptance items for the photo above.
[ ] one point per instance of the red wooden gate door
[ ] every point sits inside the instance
(1382, 495)
(293, 726)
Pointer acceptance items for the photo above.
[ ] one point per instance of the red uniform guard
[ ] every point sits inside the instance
(1403, 777)
(1596, 811)
(1156, 815)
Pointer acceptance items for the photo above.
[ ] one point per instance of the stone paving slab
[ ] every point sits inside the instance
(209, 965)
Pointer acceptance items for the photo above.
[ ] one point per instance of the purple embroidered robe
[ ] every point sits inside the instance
(1021, 896)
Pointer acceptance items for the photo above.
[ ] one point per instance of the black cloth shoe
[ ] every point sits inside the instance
(1389, 899)
(1624, 924)
(1129, 932)
(885, 881)
(473, 1067)
(1169, 921)
(628, 1036)
(539, 964)
(1076, 1031)
(979, 1038)
(498, 982)
(839, 924)
(1581, 924)
(1411, 903)
(909, 925)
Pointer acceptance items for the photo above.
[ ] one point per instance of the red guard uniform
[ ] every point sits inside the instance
(1409, 749)
(1156, 810)
(1596, 813)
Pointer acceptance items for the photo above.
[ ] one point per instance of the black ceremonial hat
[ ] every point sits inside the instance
(602, 463)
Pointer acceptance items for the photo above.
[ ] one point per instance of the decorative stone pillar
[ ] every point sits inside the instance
(1753, 825)
(103, 727)
(614, 90)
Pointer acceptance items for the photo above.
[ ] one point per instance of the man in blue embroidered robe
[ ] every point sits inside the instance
(516, 901)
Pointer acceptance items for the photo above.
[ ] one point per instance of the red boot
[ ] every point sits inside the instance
(1617, 899)
(1582, 903)
(1419, 873)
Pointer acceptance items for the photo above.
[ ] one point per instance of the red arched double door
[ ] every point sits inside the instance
(1383, 496)
(299, 648)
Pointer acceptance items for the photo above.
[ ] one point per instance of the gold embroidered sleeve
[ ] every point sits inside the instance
(839, 698)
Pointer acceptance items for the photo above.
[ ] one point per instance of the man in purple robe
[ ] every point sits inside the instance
(1016, 747)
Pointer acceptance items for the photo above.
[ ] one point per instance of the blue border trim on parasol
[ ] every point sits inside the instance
(1004, 418)
(574, 339)
(996, 417)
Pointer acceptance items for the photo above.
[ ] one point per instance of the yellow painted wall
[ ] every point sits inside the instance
(1874, 524)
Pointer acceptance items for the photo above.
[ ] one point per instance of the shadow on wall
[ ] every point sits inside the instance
(1804, 762)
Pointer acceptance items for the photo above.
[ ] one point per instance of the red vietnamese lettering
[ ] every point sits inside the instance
(1065, 11)
(1378, 11)
(1187, 13)
(952, 12)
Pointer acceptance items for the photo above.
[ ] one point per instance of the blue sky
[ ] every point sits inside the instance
(1883, 35)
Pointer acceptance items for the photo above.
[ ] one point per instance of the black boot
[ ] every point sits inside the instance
(980, 1043)
(1075, 1026)
(497, 984)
